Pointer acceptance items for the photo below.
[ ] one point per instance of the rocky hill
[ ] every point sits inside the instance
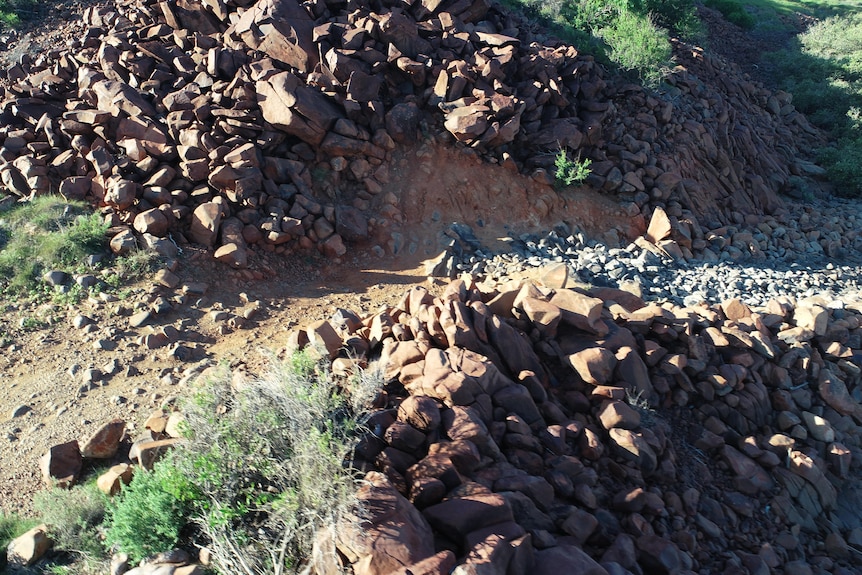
(275, 124)
(529, 427)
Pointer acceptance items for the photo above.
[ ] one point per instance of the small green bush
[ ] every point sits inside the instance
(733, 11)
(638, 45)
(147, 515)
(570, 172)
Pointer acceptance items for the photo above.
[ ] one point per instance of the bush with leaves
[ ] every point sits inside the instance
(568, 172)
(638, 45)
(148, 515)
(633, 31)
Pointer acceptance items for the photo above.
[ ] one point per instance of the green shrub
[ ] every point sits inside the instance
(74, 517)
(823, 71)
(733, 11)
(638, 45)
(570, 172)
(147, 515)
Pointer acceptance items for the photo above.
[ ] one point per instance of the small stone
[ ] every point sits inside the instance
(21, 410)
(28, 548)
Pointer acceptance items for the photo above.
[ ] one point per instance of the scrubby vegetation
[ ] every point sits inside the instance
(633, 34)
(261, 472)
(14, 12)
(45, 233)
(74, 516)
(568, 171)
(733, 11)
(263, 469)
(823, 71)
(51, 233)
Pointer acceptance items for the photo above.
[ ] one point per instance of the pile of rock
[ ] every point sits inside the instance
(212, 122)
(539, 429)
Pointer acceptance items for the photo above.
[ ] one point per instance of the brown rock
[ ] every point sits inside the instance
(152, 221)
(439, 564)
(595, 365)
(390, 535)
(205, 224)
(618, 414)
(659, 226)
(421, 412)
(28, 548)
(105, 442)
(735, 310)
(148, 451)
(281, 29)
(457, 517)
(124, 242)
(581, 311)
(293, 107)
(659, 555)
(323, 334)
(565, 559)
(232, 254)
(634, 447)
(114, 478)
(750, 477)
(61, 464)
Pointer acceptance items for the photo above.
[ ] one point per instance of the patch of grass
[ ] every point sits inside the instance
(733, 11)
(11, 526)
(132, 267)
(823, 71)
(631, 34)
(74, 516)
(13, 13)
(45, 233)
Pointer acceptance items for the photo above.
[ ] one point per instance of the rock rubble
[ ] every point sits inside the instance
(531, 428)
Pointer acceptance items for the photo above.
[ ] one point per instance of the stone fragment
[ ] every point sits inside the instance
(111, 481)
(565, 559)
(618, 414)
(659, 226)
(61, 465)
(105, 442)
(595, 365)
(28, 548)
(390, 534)
(205, 223)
